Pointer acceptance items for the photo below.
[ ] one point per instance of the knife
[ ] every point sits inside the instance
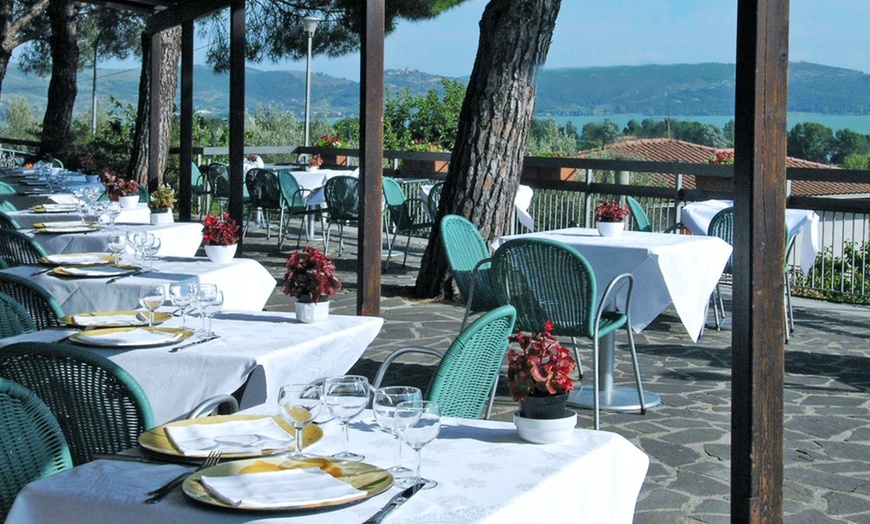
(394, 503)
(133, 274)
(200, 341)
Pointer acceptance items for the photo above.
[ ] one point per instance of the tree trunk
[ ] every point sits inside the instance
(171, 54)
(62, 88)
(496, 115)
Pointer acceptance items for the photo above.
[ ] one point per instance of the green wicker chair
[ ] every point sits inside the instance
(7, 206)
(7, 222)
(402, 213)
(468, 257)
(722, 226)
(641, 220)
(265, 192)
(341, 194)
(434, 199)
(32, 442)
(294, 198)
(7, 189)
(789, 311)
(14, 319)
(100, 407)
(18, 249)
(547, 280)
(43, 308)
(469, 369)
(199, 189)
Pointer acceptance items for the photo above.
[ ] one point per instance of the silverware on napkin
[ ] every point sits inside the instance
(160, 493)
(394, 503)
(195, 342)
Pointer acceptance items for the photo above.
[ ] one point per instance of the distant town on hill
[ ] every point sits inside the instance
(685, 89)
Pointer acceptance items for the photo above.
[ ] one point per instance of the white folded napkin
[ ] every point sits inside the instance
(277, 489)
(99, 271)
(133, 337)
(139, 319)
(237, 436)
(81, 259)
(56, 207)
(63, 198)
(62, 224)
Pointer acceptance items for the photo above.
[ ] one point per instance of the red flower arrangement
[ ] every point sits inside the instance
(328, 140)
(310, 276)
(87, 164)
(607, 211)
(541, 368)
(722, 157)
(117, 186)
(220, 230)
(315, 161)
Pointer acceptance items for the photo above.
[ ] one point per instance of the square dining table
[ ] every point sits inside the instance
(26, 218)
(258, 351)
(245, 283)
(485, 473)
(179, 239)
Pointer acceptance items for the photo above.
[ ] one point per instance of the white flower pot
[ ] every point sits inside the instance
(308, 312)
(312, 169)
(610, 229)
(221, 254)
(129, 201)
(546, 431)
(164, 217)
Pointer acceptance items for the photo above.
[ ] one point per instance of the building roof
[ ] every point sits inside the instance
(672, 150)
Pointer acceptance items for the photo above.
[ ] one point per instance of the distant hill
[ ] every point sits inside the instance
(684, 89)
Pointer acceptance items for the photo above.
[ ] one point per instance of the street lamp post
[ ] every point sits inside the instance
(309, 23)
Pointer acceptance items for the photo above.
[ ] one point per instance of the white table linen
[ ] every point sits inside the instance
(698, 215)
(485, 473)
(26, 218)
(262, 351)
(178, 239)
(668, 269)
(246, 284)
(521, 203)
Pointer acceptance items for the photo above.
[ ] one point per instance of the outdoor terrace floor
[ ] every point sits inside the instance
(687, 437)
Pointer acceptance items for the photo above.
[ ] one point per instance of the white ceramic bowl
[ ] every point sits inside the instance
(540, 431)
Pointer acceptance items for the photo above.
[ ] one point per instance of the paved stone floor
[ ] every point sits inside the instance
(687, 437)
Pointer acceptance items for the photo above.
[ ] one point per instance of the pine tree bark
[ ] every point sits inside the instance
(494, 122)
(62, 88)
(139, 169)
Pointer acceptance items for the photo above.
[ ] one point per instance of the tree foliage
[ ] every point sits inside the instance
(427, 118)
(811, 141)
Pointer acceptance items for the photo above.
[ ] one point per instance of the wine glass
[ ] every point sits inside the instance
(205, 295)
(82, 209)
(418, 422)
(151, 298)
(181, 295)
(149, 249)
(299, 405)
(113, 209)
(210, 308)
(116, 244)
(384, 406)
(346, 397)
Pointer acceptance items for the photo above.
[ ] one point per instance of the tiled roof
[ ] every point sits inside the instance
(671, 150)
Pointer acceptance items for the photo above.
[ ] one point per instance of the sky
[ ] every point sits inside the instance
(615, 32)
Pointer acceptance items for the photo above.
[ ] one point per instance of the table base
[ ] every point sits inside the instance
(623, 398)
(724, 324)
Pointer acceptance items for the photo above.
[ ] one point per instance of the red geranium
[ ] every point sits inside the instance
(310, 276)
(541, 369)
(722, 157)
(117, 186)
(220, 230)
(610, 211)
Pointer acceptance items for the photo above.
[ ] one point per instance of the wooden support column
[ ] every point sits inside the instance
(154, 115)
(237, 112)
(759, 252)
(371, 162)
(186, 131)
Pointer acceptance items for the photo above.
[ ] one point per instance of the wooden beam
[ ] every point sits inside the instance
(237, 112)
(371, 161)
(184, 12)
(759, 240)
(186, 121)
(154, 114)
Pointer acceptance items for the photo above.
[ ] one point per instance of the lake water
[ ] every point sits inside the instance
(857, 123)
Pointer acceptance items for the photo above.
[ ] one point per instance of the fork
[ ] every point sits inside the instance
(160, 493)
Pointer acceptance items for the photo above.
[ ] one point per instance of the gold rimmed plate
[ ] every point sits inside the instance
(131, 337)
(114, 318)
(106, 271)
(62, 224)
(76, 259)
(63, 230)
(367, 478)
(54, 208)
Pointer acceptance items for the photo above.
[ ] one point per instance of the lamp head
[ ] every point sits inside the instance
(309, 23)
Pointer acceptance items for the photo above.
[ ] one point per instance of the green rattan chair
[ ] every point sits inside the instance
(199, 189)
(18, 249)
(722, 226)
(100, 407)
(434, 199)
(547, 280)
(641, 220)
(43, 308)
(341, 194)
(7, 222)
(31, 439)
(469, 260)
(265, 192)
(403, 213)
(294, 203)
(7, 206)
(469, 369)
(14, 319)
(7, 189)
(789, 311)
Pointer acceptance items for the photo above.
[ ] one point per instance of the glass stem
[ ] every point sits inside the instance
(344, 429)
(298, 443)
(397, 455)
(417, 452)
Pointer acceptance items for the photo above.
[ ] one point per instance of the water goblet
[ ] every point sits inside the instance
(205, 295)
(346, 397)
(210, 309)
(149, 249)
(181, 295)
(82, 209)
(418, 422)
(113, 209)
(384, 406)
(299, 405)
(151, 298)
(117, 243)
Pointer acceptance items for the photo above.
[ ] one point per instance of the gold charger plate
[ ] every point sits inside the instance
(119, 270)
(159, 318)
(173, 335)
(63, 230)
(61, 258)
(365, 477)
(156, 440)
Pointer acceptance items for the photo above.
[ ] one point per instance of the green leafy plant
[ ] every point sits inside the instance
(163, 198)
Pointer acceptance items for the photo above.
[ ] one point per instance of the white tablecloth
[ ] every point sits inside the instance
(26, 218)
(246, 284)
(521, 203)
(697, 216)
(678, 269)
(485, 473)
(263, 350)
(179, 239)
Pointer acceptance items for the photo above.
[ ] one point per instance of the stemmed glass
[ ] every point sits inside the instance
(151, 298)
(116, 244)
(209, 310)
(181, 295)
(346, 397)
(418, 422)
(82, 209)
(206, 294)
(149, 249)
(384, 406)
(299, 405)
(113, 209)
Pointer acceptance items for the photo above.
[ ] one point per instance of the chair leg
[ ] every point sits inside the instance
(491, 401)
(390, 249)
(340, 238)
(595, 399)
(407, 247)
(326, 238)
(636, 370)
(789, 309)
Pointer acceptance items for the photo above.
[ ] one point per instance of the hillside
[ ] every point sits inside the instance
(684, 89)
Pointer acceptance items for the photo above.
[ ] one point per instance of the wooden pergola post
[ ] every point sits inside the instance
(758, 335)
(237, 114)
(186, 120)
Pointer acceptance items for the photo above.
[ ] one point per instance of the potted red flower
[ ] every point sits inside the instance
(332, 142)
(221, 238)
(121, 190)
(610, 218)
(310, 278)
